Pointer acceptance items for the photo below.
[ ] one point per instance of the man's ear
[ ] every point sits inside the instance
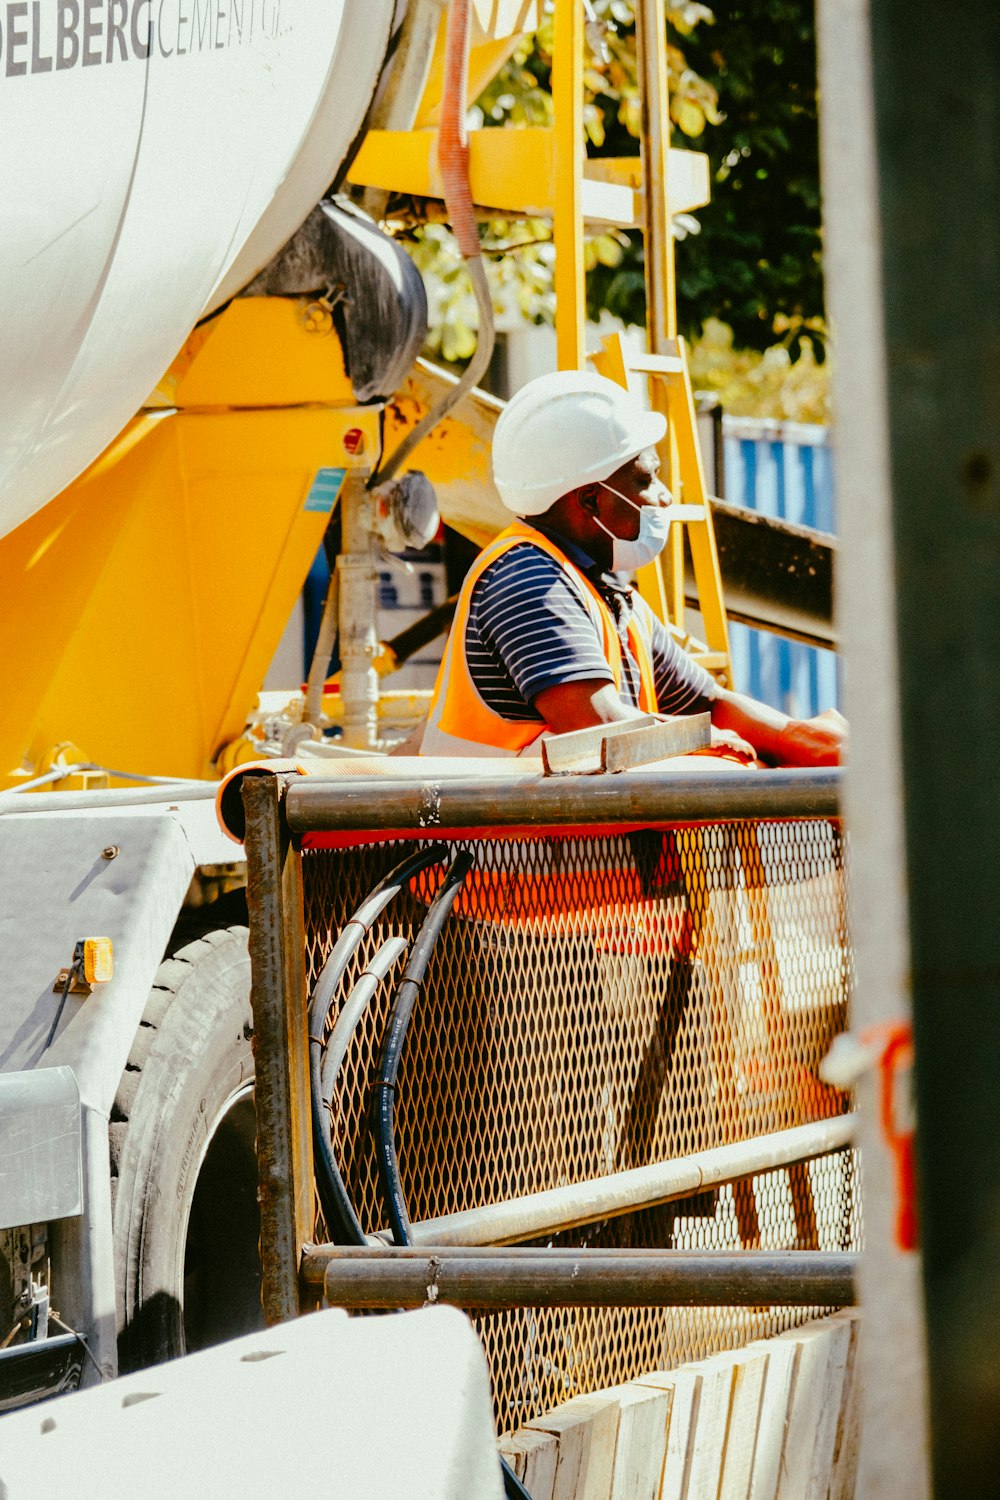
(587, 496)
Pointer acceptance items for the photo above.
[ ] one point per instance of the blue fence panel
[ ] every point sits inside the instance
(784, 470)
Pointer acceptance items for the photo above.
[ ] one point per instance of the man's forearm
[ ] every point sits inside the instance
(582, 705)
(778, 739)
(756, 722)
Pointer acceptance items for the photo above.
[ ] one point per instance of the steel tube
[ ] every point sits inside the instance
(657, 228)
(278, 998)
(357, 604)
(385, 1278)
(599, 1198)
(12, 801)
(316, 804)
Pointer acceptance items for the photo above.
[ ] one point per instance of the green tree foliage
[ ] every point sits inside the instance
(756, 263)
(742, 80)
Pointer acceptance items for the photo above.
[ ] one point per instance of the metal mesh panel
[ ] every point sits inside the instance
(597, 1003)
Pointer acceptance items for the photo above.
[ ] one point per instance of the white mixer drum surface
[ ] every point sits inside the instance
(155, 154)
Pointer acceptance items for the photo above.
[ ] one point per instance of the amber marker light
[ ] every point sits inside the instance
(98, 960)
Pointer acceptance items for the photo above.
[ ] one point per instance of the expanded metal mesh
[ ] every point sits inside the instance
(597, 1003)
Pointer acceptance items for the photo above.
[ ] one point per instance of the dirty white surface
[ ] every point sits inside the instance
(326, 1406)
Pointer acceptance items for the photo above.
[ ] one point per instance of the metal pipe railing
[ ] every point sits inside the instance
(13, 801)
(556, 1209)
(493, 1279)
(317, 804)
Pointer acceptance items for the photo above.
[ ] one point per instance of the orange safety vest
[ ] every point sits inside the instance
(459, 722)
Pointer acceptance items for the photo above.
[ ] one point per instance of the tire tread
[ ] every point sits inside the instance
(141, 1123)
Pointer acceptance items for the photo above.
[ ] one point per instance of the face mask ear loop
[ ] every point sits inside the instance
(620, 496)
(607, 530)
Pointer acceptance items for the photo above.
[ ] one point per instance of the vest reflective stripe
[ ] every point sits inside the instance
(459, 722)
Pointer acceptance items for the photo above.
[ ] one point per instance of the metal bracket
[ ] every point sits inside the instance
(78, 985)
(620, 747)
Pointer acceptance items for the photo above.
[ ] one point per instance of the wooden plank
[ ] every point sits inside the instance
(580, 749)
(782, 1359)
(534, 1457)
(717, 1379)
(809, 1397)
(643, 1420)
(841, 1332)
(657, 742)
(777, 1420)
(843, 1481)
(744, 1423)
(587, 1431)
(618, 747)
(685, 1394)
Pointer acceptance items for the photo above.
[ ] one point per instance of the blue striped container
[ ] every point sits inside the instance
(781, 469)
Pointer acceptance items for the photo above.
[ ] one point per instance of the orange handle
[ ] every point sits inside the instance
(895, 1046)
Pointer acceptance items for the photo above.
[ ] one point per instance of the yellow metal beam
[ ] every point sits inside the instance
(670, 389)
(513, 170)
(567, 223)
(658, 245)
(661, 295)
(485, 61)
(499, 18)
(688, 180)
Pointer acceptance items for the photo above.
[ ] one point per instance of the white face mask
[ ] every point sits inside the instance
(654, 528)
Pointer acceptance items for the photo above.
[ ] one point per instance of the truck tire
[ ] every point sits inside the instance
(183, 1166)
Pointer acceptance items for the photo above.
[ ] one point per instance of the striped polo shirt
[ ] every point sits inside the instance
(529, 630)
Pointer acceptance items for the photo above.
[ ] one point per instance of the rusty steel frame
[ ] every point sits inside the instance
(638, 798)
(491, 1279)
(280, 1045)
(279, 809)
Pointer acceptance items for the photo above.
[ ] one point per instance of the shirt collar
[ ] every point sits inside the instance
(611, 584)
(576, 555)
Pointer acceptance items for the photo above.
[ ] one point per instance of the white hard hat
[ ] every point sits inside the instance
(564, 430)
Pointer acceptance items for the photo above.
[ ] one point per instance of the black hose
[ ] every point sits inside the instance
(385, 1089)
(392, 1045)
(338, 1210)
(330, 1180)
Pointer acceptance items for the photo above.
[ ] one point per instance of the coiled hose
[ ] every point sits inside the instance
(324, 1062)
(383, 1094)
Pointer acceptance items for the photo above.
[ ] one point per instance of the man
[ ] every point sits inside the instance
(548, 636)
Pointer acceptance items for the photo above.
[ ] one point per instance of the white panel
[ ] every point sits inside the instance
(67, 890)
(133, 182)
(68, 140)
(325, 1406)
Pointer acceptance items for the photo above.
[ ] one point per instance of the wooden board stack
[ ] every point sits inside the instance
(777, 1420)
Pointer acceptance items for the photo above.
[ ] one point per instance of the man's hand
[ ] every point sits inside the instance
(821, 741)
(728, 739)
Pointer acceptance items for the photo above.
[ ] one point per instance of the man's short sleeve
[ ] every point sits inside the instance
(682, 687)
(530, 625)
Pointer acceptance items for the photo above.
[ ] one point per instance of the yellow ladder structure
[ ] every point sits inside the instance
(662, 582)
